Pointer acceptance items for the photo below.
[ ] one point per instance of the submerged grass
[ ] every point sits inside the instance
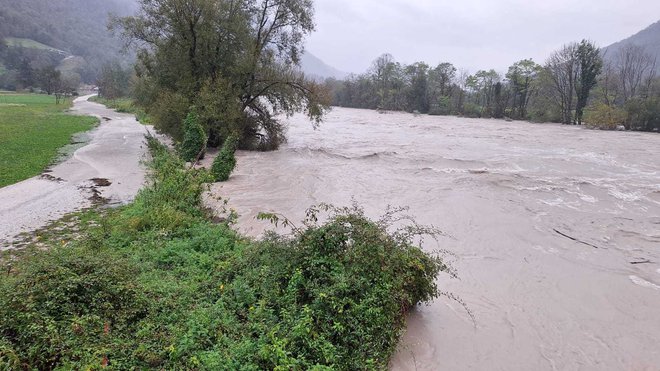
(156, 285)
(32, 129)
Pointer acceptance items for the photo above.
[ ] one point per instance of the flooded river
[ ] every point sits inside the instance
(556, 230)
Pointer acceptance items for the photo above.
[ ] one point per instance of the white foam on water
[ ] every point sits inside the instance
(625, 196)
(644, 283)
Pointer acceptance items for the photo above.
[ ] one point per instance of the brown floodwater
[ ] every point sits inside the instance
(513, 196)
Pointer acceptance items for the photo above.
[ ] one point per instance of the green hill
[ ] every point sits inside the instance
(63, 28)
(31, 44)
(649, 38)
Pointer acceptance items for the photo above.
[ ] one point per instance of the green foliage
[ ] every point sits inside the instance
(193, 145)
(69, 306)
(156, 285)
(472, 110)
(32, 129)
(591, 65)
(604, 117)
(247, 51)
(643, 113)
(114, 81)
(225, 163)
(443, 106)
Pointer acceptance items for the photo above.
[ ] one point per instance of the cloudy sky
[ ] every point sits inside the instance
(472, 34)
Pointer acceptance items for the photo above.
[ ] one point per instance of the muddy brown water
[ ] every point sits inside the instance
(513, 195)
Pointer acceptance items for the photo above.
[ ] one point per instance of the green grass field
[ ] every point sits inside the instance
(32, 129)
(28, 43)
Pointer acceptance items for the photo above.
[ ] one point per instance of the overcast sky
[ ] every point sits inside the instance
(472, 34)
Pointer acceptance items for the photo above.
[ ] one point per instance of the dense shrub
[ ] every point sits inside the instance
(472, 110)
(156, 285)
(442, 107)
(643, 114)
(69, 306)
(225, 163)
(604, 117)
(194, 138)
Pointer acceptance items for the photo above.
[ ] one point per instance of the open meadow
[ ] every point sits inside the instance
(32, 129)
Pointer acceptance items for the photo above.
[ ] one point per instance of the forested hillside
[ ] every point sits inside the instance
(75, 28)
(649, 39)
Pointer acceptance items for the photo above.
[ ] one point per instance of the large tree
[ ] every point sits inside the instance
(522, 76)
(235, 60)
(591, 65)
(635, 68)
(563, 68)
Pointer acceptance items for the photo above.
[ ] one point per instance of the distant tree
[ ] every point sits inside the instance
(563, 68)
(609, 88)
(591, 65)
(386, 74)
(440, 88)
(635, 68)
(114, 81)
(522, 76)
(70, 81)
(50, 79)
(26, 74)
(417, 92)
(482, 85)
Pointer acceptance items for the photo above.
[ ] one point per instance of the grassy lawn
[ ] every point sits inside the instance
(32, 128)
(28, 43)
(124, 105)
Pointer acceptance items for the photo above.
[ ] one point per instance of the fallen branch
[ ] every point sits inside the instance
(575, 239)
(642, 262)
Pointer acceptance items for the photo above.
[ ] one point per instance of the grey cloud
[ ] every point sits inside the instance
(473, 34)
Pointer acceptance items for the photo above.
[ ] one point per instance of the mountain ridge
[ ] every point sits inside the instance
(317, 69)
(648, 38)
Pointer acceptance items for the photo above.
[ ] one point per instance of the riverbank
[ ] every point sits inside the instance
(106, 169)
(155, 284)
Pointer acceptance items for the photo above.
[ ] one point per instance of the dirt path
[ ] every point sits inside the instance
(108, 167)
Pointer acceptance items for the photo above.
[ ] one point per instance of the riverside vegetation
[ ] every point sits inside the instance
(156, 284)
(32, 129)
(123, 105)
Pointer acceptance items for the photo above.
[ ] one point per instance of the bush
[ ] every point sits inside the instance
(156, 285)
(225, 163)
(471, 110)
(441, 107)
(604, 117)
(69, 306)
(193, 145)
(643, 114)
